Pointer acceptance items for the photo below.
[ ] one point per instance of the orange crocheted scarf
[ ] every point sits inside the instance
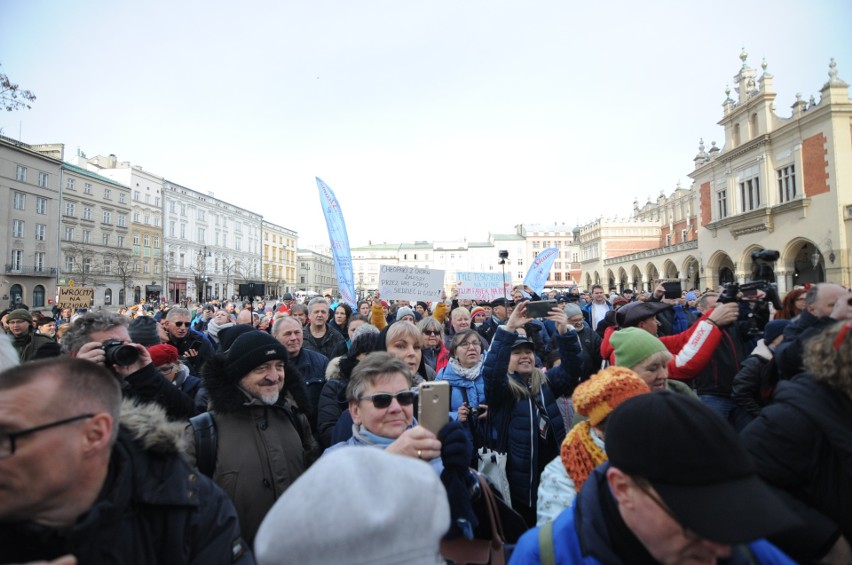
(580, 454)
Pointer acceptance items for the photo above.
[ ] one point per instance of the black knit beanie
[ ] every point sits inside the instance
(143, 330)
(251, 350)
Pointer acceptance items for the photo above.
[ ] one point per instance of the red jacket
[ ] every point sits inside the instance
(691, 349)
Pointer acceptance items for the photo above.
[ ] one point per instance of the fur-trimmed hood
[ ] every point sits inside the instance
(227, 397)
(149, 425)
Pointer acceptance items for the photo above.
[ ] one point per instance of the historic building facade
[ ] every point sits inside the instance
(280, 246)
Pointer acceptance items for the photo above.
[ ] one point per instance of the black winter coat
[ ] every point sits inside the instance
(802, 446)
(516, 422)
(154, 509)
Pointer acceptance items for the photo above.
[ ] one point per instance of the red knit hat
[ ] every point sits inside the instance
(163, 354)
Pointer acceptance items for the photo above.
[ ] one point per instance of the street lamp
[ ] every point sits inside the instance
(203, 254)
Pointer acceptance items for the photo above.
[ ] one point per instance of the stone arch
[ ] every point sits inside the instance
(691, 271)
(637, 278)
(588, 281)
(38, 296)
(623, 281)
(610, 279)
(653, 274)
(797, 262)
(597, 279)
(669, 270)
(722, 269)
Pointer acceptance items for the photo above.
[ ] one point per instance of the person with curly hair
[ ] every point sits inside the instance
(792, 305)
(802, 446)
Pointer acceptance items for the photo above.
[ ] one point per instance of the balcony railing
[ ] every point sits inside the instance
(30, 271)
(683, 246)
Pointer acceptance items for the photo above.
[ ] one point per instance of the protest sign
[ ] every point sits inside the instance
(481, 286)
(407, 283)
(76, 297)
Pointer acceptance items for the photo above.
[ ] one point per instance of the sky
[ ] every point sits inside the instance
(431, 121)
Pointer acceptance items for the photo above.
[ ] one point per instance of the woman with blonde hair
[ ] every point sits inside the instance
(521, 401)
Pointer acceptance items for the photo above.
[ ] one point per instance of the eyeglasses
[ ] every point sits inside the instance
(431, 332)
(166, 368)
(8, 441)
(476, 343)
(181, 324)
(383, 399)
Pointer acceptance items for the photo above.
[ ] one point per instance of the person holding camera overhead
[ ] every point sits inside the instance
(102, 337)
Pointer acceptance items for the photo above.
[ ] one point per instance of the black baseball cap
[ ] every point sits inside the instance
(695, 461)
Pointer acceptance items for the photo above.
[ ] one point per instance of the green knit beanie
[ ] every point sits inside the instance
(634, 345)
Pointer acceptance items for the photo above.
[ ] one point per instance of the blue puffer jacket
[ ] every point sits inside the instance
(516, 422)
(581, 535)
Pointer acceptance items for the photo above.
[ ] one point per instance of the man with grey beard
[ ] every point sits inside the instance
(260, 429)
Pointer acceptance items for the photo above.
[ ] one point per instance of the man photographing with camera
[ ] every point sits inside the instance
(102, 338)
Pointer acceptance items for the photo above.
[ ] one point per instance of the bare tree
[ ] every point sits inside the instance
(123, 269)
(85, 263)
(229, 269)
(12, 96)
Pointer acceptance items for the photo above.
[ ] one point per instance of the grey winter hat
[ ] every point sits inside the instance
(405, 311)
(572, 309)
(143, 330)
(390, 509)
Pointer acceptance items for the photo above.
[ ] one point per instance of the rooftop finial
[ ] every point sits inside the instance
(832, 70)
(743, 56)
(764, 64)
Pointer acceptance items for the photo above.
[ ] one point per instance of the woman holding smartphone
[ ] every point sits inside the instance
(522, 402)
(467, 392)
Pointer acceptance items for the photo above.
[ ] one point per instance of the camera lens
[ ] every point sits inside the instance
(117, 353)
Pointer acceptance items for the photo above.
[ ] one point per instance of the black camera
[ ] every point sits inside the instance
(116, 352)
(765, 255)
(503, 254)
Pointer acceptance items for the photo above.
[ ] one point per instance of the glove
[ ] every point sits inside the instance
(456, 452)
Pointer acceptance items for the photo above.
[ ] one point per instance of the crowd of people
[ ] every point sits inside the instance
(633, 428)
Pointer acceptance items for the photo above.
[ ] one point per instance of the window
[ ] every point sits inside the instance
(238, 243)
(87, 213)
(121, 198)
(136, 266)
(105, 239)
(17, 228)
(87, 265)
(69, 234)
(107, 266)
(147, 219)
(107, 217)
(147, 199)
(42, 180)
(156, 268)
(146, 267)
(17, 259)
(86, 234)
(683, 235)
(520, 261)
(19, 200)
(41, 205)
(156, 201)
(122, 220)
(722, 203)
(107, 294)
(183, 209)
(183, 231)
(121, 241)
(87, 188)
(41, 230)
(146, 240)
(536, 244)
(21, 173)
(668, 239)
(156, 221)
(69, 263)
(520, 275)
(107, 194)
(172, 229)
(69, 209)
(69, 184)
(156, 242)
(557, 276)
(574, 257)
(787, 183)
(135, 195)
(201, 216)
(172, 207)
(136, 217)
(39, 261)
(750, 194)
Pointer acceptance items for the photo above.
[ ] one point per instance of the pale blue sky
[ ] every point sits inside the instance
(429, 120)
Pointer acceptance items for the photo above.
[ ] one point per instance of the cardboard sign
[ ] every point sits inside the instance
(76, 297)
(407, 283)
(482, 286)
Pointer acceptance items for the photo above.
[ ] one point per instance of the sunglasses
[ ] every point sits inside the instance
(431, 332)
(181, 324)
(383, 399)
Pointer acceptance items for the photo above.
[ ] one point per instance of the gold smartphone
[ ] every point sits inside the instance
(433, 410)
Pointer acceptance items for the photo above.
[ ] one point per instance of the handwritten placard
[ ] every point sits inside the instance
(408, 283)
(481, 286)
(76, 297)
